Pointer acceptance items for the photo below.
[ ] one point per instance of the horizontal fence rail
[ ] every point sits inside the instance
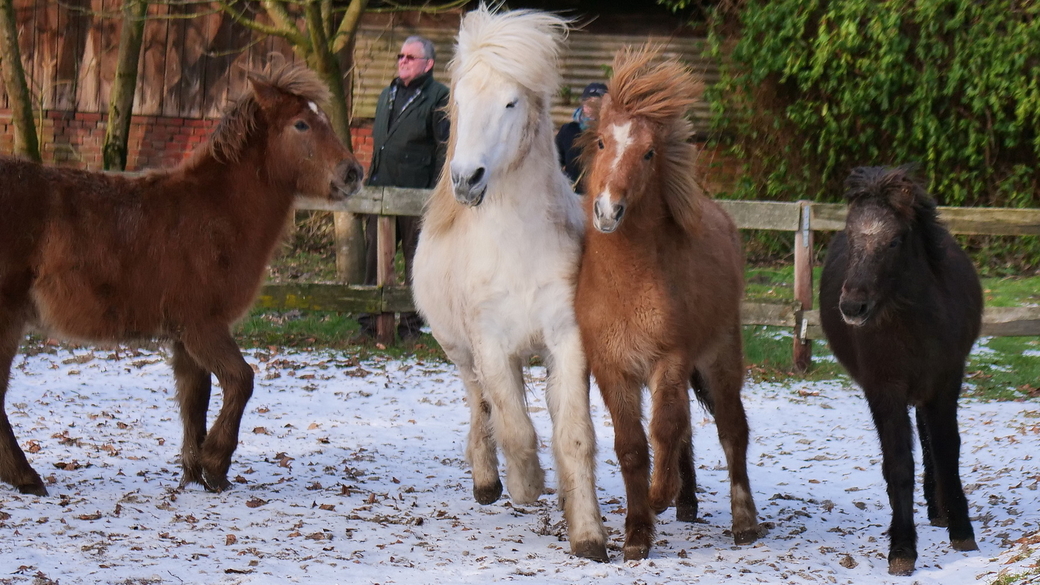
(801, 217)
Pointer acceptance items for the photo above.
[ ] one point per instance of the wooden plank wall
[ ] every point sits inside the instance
(586, 58)
(193, 58)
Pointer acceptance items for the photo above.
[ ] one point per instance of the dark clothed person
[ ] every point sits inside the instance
(568, 152)
(410, 135)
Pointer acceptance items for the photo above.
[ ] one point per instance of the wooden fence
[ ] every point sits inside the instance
(802, 218)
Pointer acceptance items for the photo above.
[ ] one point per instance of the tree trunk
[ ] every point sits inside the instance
(349, 234)
(121, 99)
(26, 143)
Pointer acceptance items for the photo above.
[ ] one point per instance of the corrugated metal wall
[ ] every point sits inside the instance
(586, 58)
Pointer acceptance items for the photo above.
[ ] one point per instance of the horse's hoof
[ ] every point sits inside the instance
(940, 521)
(964, 544)
(596, 551)
(746, 536)
(636, 552)
(902, 567)
(33, 489)
(488, 494)
(215, 484)
(685, 513)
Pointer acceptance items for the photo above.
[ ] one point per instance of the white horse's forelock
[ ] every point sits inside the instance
(521, 45)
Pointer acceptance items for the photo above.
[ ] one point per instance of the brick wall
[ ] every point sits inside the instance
(74, 139)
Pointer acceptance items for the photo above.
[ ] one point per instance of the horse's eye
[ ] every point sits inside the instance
(301, 125)
(895, 242)
(600, 143)
(649, 154)
(511, 104)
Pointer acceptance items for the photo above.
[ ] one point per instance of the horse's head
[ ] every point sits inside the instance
(503, 74)
(493, 131)
(639, 144)
(885, 209)
(624, 159)
(302, 148)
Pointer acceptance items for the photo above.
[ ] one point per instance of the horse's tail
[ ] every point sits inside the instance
(702, 392)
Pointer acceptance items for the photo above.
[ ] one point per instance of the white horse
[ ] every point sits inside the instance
(496, 266)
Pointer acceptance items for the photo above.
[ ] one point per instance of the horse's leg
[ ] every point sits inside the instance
(624, 398)
(889, 411)
(215, 350)
(14, 467)
(193, 391)
(724, 377)
(686, 504)
(574, 446)
(501, 378)
(669, 427)
(941, 417)
(481, 450)
(936, 508)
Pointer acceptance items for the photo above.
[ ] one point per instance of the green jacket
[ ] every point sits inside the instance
(410, 153)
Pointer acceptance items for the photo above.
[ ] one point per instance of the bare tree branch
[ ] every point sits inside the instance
(425, 8)
(348, 26)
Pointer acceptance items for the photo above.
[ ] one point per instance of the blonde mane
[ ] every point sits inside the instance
(229, 140)
(521, 45)
(661, 92)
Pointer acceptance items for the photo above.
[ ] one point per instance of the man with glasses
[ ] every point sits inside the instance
(410, 136)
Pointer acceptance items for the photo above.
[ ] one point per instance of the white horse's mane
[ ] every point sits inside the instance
(522, 45)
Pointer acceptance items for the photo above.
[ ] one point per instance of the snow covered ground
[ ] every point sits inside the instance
(354, 473)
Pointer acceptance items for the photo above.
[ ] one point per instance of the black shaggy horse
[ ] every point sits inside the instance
(901, 306)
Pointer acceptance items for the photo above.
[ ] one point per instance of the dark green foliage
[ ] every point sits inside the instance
(813, 88)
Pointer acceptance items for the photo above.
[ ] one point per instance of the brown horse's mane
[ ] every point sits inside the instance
(229, 140)
(661, 92)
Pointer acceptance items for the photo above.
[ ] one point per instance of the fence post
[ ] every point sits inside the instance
(386, 248)
(350, 247)
(803, 286)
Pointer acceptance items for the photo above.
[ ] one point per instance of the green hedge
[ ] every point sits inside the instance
(813, 88)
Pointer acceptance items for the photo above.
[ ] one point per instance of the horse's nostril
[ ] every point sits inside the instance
(853, 308)
(477, 176)
(354, 173)
(618, 211)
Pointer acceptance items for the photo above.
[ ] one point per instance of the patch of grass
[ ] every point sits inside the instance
(1029, 576)
(1011, 291)
(1000, 369)
(767, 356)
(323, 329)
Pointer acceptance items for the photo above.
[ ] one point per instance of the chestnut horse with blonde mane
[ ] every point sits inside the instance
(176, 254)
(658, 297)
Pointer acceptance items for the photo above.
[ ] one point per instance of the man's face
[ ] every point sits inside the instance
(412, 62)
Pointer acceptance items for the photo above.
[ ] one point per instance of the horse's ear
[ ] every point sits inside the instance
(267, 95)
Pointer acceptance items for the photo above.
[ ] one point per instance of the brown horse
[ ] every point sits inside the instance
(658, 298)
(176, 255)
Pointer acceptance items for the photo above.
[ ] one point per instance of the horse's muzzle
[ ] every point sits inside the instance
(855, 309)
(349, 175)
(606, 217)
(469, 188)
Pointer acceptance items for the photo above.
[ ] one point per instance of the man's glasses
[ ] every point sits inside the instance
(409, 58)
